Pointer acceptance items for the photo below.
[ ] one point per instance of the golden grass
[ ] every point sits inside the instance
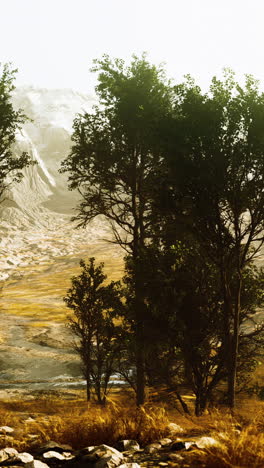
(41, 288)
(243, 447)
(74, 422)
(79, 425)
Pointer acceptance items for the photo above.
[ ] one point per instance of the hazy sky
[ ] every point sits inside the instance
(53, 42)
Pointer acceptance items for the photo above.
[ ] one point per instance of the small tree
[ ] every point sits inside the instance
(10, 122)
(94, 305)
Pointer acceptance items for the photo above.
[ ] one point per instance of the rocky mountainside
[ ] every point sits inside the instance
(41, 203)
(39, 247)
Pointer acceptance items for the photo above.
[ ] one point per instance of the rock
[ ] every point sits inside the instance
(25, 457)
(128, 444)
(36, 464)
(6, 430)
(68, 455)
(104, 456)
(53, 454)
(175, 457)
(51, 445)
(178, 446)
(205, 442)
(174, 428)
(8, 454)
(190, 445)
(129, 465)
(87, 450)
(165, 441)
(151, 448)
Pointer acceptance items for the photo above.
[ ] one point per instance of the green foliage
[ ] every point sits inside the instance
(94, 305)
(10, 122)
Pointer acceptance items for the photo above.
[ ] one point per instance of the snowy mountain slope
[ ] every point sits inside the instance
(41, 203)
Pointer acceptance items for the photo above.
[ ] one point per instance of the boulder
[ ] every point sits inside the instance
(6, 430)
(174, 428)
(129, 465)
(152, 448)
(52, 454)
(128, 444)
(104, 456)
(51, 445)
(25, 457)
(165, 441)
(8, 454)
(36, 464)
(205, 442)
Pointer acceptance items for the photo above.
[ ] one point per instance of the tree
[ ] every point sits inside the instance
(114, 162)
(216, 163)
(10, 122)
(94, 305)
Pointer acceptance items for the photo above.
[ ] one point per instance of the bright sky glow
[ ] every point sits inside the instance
(53, 42)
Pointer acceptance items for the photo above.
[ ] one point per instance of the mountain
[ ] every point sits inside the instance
(40, 248)
(41, 203)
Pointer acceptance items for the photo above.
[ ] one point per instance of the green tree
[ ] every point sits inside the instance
(94, 304)
(114, 162)
(216, 166)
(10, 122)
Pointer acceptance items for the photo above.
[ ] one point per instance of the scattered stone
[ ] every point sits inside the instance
(165, 441)
(190, 445)
(205, 442)
(36, 464)
(178, 446)
(174, 428)
(6, 430)
(127, 444)
(104, 457)
(175, 457)
(163, 464)
(53, 454)
(108, 462)
(68, 455)
(129, 465)
(86, 450)
(25, 457)
(151, 448)
(51, 445)
(9, 454)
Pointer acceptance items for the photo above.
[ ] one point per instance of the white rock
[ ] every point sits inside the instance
(165, 441)
(36, 464)
(206, 442)
(6, 430)
(68, 455)
(174, 428)
(25, 457)
(108, 462)
(129, 465)
(8, 453)
(128, 444)
(53, 454)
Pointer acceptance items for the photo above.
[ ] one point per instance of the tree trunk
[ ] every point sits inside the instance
(183, 404)
(88, 388)
(234, 348)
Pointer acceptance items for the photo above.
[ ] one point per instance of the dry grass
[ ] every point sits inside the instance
(79, 425)
(74, 422)
(52, 279)
(108, 425)
(242, 447)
